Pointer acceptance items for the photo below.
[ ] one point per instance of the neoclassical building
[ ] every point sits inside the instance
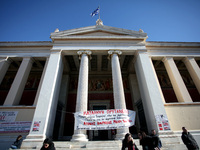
(95, 68)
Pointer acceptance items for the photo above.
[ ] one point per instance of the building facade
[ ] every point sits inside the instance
(94, 68)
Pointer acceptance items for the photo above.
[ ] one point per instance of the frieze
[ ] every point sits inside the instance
(98, 84)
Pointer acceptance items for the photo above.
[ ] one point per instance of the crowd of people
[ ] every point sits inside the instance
(153, 142)
(148, 142)
(47, 144)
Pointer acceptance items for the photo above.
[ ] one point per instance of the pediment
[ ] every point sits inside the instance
(98, 31)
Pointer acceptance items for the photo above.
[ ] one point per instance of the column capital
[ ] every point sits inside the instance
(8, 59)
(81, 52)
(111, 52)
(186, 59)
(144, 51)
(137, 52)
(32, 60)
(166, 58)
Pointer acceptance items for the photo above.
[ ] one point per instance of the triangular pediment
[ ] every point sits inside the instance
(98, 31)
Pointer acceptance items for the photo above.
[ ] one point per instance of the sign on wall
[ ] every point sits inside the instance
(162, 122)
(104, 119)
(36, 126)
(8, 116)
(12, 127)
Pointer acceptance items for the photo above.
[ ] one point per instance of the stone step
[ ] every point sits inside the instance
(101, 145)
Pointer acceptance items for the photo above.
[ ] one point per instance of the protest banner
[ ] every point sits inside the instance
(15, 127)
(8, 116)
(104, 119)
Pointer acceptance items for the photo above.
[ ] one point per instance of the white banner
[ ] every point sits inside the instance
(104, 119)
(15, 127)
(8, 116)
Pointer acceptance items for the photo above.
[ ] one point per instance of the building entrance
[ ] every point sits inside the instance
(99, 135)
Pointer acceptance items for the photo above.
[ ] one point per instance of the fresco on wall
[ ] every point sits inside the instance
(7, 81)
(98, 84)
(166, 83)
(32, 82)
(164, 80)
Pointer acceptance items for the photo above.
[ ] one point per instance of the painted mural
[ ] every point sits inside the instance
(98, 84)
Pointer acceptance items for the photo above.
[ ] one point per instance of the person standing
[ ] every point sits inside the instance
(189, 140)
(128, 143)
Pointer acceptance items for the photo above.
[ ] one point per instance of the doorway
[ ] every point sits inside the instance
(99, 135)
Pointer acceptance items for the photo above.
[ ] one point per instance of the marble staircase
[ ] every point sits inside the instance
(103, 145)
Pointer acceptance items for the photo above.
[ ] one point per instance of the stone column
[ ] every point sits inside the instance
(151, 94)
(45, 111)
(17, 88)
(119, 98)
(4, 64)
(179, 87)
(82, 93)
(194, 70)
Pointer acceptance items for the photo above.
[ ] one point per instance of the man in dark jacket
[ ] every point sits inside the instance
(48, 145)
(189, 140)
(155, 140)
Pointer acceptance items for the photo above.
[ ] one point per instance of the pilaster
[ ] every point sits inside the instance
(151, 94)
(179, 87)
(17, 88)
(4, 65)
(44, 116)
(194, 70)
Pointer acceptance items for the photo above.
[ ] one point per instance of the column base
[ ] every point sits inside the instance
(79, 138)
(121, 133)
(33, 142)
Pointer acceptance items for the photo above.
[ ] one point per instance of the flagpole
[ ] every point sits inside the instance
(99, 12)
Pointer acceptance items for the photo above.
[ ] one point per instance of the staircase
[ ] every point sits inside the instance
(103, 145)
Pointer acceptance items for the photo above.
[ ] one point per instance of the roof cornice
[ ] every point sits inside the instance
(172, 44)
(27, 44)
(75, 33)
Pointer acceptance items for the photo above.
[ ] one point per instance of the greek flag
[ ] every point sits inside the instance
(96, 12)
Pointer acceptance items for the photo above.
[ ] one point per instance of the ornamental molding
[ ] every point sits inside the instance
(81, 52)
(85, 33)
(112, 52)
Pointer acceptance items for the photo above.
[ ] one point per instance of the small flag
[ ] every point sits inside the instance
(96, 12)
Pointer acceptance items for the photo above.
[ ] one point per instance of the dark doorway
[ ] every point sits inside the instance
(99, 135)
(141, 115)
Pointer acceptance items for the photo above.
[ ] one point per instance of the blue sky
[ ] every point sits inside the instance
(162, 20)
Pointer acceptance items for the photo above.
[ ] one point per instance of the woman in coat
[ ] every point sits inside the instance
(128, 143)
